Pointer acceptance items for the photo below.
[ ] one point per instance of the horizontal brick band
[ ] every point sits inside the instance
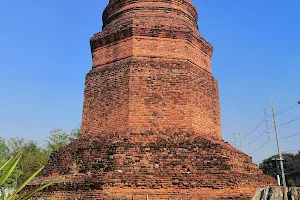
(163, 9)
(114, 6)
(97, 42)
(141, 46)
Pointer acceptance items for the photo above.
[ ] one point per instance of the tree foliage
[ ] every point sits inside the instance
(59, 138)
(7, 169)
(34, 156)
(5, 154)
(291, 163)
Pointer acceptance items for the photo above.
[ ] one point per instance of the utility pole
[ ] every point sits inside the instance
(240, 134)
(275, 165)
(239, 139)
(278, 147)
(267, 125)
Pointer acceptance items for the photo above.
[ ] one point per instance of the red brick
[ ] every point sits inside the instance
(151, 117)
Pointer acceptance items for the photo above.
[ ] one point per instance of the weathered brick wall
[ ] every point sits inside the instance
(168, 94)
(182, 12)
(143, 46)
(117, 193)
(157, 94)
(106, 99)
(115, 167)
(168, 82)
(151, 117)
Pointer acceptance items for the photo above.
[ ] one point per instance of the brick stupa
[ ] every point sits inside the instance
(151, 117)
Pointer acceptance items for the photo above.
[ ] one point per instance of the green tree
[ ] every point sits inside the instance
(34, 157)
(297, 160)
(76, 133)
(291, 163)
(7, 170)
(3, 151)
(59, 138)
(15, 145)
(11, 181)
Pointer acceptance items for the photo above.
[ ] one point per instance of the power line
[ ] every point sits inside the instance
(274, 114)
(275, 140)
(289, 122)
(279, 113)
(290, 136)
(259, 147)
(293, 150)
(255, 128)
(256, 138)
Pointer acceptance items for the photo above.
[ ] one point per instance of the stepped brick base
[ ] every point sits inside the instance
(158, 194)
(163, 166)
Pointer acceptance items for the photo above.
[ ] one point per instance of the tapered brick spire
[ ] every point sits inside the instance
(151, 72)
(181, 13)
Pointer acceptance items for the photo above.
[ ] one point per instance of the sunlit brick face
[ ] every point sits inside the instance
(151, 72)
(151, 119)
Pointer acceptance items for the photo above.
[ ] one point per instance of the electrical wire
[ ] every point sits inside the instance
(292, 150)
(279, 113)
(274, 140)
(286, 137)
(289, 122)
(259, 147)
(289, 136)
(255, 128)
(256, 138)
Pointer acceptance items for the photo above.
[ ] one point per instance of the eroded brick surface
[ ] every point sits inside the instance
(151, 117)
(151, 71)
(157, 94)
(177, 163)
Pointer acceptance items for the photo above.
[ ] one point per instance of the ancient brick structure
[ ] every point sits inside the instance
(151, 71)
(151, 117)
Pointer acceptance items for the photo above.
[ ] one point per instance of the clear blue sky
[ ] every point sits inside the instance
(45, 54)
